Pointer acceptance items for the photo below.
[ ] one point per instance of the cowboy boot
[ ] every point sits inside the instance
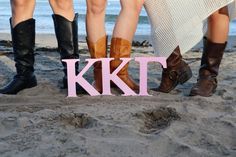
(67, 39)
(210, 63)
(98, 50)
(23, 40)
(121, 48)
(177, 72)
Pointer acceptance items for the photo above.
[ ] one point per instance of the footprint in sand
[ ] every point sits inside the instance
(78, 120)
(226, 95)
(10, 122)
(158, 119)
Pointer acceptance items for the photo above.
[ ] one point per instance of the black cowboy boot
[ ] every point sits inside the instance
(23, 39)
(177, 72)
(210, 63)
(67, 38)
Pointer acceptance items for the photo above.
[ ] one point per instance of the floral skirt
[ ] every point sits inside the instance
(181, 22)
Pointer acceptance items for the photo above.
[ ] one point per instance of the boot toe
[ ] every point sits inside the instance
(18, 84)
(132, 84)
(163, 90)
(201, 92)
(194, 92)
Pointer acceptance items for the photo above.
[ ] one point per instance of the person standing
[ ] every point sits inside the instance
(122, 37)
(23, 39)
(179, 26)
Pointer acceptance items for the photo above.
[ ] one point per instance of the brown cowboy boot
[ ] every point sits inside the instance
(121, 48)
(177, 72)
(210, 63)
(98, 50)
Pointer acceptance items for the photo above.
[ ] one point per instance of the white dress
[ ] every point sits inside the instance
(181, 22)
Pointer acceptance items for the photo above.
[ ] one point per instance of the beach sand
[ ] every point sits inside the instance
(43, 122)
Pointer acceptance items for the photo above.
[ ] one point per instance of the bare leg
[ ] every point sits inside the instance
(95, 19)
(218, 26)
(21, 10)
(64, 8)
(128, 19)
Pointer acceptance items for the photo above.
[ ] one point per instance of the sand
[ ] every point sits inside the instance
(43, 122)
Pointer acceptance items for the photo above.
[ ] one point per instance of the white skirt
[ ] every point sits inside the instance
(181, 22)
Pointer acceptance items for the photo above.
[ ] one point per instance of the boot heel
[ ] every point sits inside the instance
(185, 76)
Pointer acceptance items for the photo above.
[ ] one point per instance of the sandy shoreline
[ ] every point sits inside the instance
(42, 122)
(51, 40)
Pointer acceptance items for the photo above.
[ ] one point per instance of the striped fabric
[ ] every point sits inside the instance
(181, 22)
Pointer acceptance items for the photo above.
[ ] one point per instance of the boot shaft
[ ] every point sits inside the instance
(211, 57)
(99, 48)
(23, 40)
(120, 48)
(67, 36)
(75, 36)
(175, 58)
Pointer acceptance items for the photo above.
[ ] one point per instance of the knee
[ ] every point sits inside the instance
(22, 7)
(134, 6)
(64, 5)
(96, 7)
(19, 4)
(213, 17)
(223, 12)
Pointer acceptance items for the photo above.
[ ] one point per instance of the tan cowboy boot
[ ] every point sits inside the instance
(121, 48)
(177, 72)
(210, 63)
(98, 50)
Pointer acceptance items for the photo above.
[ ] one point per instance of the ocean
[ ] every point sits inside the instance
(44, 23)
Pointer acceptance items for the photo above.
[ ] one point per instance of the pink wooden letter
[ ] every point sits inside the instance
(73, 79)
(143, 71)
(108, 77)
